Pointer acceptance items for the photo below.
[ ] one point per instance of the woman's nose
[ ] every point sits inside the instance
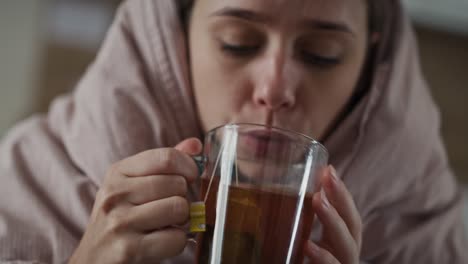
(274, 87)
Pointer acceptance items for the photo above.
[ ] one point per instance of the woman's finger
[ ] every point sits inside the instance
(158, 214)
(335, 231)
(151, 188)
(162, 244)
(343, 202)
(318, 255)
(322, 173)
(190, 146)
(157, 162)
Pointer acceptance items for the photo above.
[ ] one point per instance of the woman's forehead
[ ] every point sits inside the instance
(350, 12)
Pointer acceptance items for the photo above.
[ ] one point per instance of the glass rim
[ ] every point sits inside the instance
(309, 139)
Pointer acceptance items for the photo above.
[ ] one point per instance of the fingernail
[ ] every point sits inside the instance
(333, 173)
(313, 247)
(324, 198)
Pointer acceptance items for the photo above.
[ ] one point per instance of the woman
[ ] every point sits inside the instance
(340, 71)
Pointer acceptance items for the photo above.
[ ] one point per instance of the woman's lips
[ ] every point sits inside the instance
(265, 134)
(262, 143)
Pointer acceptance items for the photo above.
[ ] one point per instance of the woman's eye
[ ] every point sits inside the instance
(318, 60)
(239, 50)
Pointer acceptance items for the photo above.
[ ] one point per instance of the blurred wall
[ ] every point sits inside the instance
(74, 30)
(20, 51)
(444, 59)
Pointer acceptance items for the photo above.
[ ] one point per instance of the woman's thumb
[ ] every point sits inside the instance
(190, 146)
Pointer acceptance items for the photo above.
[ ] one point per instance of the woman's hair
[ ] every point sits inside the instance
(375, 13)
(185, 8)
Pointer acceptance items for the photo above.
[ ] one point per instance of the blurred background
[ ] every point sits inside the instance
(46, 45)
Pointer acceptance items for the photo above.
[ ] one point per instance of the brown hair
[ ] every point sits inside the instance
(375, 13)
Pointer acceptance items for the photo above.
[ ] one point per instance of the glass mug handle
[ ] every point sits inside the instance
(200, 161)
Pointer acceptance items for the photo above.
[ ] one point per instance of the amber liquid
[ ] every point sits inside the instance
(259, 226)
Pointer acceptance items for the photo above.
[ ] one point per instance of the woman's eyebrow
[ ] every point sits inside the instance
(243, 14)
(253, 16)
(327, 25)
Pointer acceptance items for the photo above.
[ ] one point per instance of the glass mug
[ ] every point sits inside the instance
(257, 184)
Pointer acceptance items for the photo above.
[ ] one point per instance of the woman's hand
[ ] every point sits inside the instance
(138, 206)
(342, 227)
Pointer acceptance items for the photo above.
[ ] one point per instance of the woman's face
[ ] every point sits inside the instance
(288, 63)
